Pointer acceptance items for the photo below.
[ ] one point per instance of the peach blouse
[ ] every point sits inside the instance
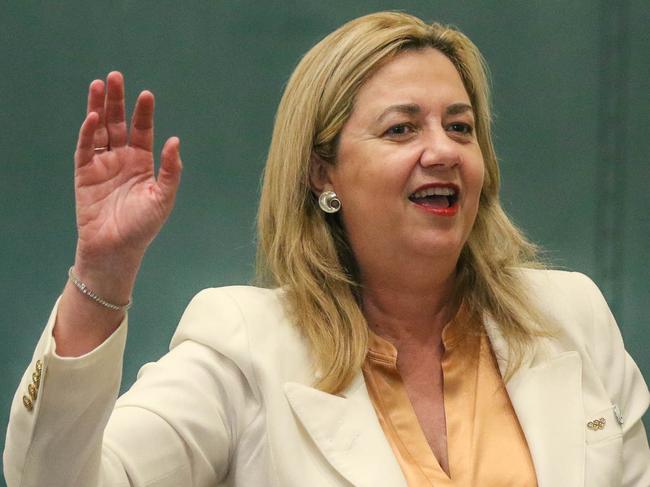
(485, 443)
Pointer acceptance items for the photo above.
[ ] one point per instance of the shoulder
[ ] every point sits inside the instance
(234, 304)
(576, 313)
(248, 325)
(568, 297)
(556, 283)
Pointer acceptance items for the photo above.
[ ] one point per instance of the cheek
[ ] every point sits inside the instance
(476, 178)
(372, 177)
(480, 180)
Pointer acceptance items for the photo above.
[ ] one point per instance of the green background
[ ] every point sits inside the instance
(572, 111)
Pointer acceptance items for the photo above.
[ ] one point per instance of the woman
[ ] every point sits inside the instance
(401, 300)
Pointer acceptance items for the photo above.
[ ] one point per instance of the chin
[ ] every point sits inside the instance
(438, 247)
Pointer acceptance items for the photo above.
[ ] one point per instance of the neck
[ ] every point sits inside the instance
(409, 307)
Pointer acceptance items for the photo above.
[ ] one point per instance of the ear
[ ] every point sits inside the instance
(319, 174)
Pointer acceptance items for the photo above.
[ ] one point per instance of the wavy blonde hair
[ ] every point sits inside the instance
(306, 252)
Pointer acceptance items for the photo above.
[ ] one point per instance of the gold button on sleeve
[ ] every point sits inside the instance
(39, 366)
(33, 392)
(27, 402)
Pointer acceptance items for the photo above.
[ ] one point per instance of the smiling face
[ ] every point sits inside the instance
(409, 169)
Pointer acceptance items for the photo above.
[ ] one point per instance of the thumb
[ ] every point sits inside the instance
(169, 174)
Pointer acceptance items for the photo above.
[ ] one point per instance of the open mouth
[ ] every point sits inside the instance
(436, 197)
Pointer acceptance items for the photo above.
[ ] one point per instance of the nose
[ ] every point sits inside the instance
(439, 150)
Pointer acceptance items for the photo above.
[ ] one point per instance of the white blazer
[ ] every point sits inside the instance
(231, 404)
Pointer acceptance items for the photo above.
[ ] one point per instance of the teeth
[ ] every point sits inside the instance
(435, 191)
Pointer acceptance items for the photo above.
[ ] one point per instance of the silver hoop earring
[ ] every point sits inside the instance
(329, 202)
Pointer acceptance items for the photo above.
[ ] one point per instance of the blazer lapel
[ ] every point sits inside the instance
(347, 432)
(546, 396)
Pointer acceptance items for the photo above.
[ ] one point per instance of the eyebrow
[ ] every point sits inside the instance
(458, 108)
(414, 109)
(407, 108)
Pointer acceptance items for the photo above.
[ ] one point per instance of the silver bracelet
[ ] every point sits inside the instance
(92, 295)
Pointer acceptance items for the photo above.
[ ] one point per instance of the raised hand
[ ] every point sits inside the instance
(121, 206)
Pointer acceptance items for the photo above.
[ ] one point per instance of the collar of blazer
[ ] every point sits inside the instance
(545, 393)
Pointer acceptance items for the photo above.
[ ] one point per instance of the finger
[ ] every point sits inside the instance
(141, 135)
(114, 109)
(169, 175)
(86, 141)
(96, 104)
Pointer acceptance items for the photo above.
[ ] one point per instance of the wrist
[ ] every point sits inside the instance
(81, 324)
(111, 278)
(87, 291)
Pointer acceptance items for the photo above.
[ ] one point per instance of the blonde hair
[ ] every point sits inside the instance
(306, 252)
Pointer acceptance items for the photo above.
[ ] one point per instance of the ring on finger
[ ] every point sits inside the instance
(99, 150)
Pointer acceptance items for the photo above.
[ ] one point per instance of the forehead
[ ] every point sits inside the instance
(424, 76)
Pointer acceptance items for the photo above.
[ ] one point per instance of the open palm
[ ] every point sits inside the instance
(120, 204)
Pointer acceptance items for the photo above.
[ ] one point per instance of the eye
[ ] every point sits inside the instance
(400, 130)
(461, 128)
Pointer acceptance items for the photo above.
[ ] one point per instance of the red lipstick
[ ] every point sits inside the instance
(439, 199)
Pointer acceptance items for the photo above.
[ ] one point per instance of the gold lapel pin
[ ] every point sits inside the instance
(596, 424)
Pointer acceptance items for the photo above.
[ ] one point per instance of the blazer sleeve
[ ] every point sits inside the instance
(625, 386)
(176, 426)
